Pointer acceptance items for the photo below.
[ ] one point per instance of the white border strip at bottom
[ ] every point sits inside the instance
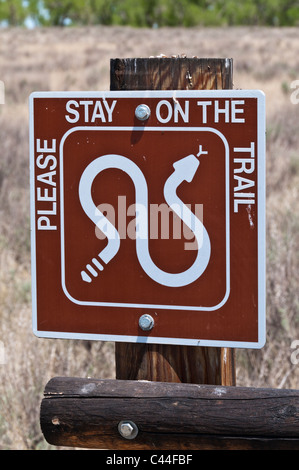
(153, 340)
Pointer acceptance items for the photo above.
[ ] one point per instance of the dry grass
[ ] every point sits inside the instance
(79, 59)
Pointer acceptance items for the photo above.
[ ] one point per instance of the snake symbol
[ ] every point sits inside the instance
(184, 170)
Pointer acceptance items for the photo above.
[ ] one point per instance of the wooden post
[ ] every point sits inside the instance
(167, 363)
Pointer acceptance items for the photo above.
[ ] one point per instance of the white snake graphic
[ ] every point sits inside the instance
(184, 170)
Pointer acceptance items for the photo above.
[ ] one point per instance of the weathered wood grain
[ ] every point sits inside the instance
(170, 74)
(86, 413)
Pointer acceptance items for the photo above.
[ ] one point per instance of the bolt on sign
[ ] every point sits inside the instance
(148, 216)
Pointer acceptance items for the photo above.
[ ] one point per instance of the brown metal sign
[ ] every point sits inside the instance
(148, 216)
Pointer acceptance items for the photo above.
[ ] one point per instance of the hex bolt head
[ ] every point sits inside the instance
(146, 322)
(127, 429)
(142, 112)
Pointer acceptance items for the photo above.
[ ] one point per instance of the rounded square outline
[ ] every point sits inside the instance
(227, 219)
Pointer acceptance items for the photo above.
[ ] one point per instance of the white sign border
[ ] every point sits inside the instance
(261, 201)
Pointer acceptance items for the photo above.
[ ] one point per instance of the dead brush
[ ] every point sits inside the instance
(78, 59)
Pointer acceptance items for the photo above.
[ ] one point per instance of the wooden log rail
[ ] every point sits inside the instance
(141, 415)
